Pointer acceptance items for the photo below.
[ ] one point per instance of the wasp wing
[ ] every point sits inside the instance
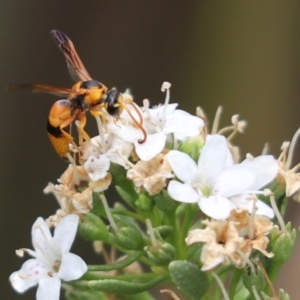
(41, 88)
(76, 68)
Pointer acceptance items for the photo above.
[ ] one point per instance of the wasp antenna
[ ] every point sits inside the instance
(138, 124)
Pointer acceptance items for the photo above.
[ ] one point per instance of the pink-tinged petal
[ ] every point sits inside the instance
(216, 207)
(266, 169)
(234, 180)
(49, 289)
(28, 276)
(183, 166)
(243, 201)
(212, 159)
(40, 234)
(97, 166)
(72, 267)
(154, 144)
(182, 192)
(174, 124)
(65, 232)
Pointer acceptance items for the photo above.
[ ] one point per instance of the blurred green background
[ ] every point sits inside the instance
(243, 55)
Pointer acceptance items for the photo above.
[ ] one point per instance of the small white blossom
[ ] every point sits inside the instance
(159, 123)
(52, 260)
(215, 182)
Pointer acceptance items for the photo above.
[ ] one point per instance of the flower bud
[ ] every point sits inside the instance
(192, 148)
(163, 254)
(144, 202)
(254, 278)
(93, 228)
(163, 231)
(129, 238)
(282, 244)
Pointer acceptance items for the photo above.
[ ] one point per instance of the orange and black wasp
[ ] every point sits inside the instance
(86, 94)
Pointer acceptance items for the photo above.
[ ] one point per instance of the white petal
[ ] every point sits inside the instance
(28, 276)
(234, 180)
(49, 289)
(183, 166)
(183, 123)
(119, 147)
(154, 144)
(72, 267)
(182, 192)
(127, 133)
(40, 233)
(41, 236)
(212, 159)
(216, 207)
(65, 232)
(97, 166)
(266, 167)
(157, 113)
(242, 201)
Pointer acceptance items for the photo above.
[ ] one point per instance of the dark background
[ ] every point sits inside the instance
(241, 54)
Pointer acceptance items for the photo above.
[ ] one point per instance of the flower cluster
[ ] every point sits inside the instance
(190, 205)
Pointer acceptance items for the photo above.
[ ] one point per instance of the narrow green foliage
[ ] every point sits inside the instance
(189, 279)
(92, 228)
(128, 260)
(254, 278)
(119, 179)
(164, 202)
(235, 279)
(122, 287)
(86, 295)
(282, 245)
(129, 238)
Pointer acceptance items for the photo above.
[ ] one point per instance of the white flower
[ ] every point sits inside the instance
(215, 182)
(159, 122)
(52, 260)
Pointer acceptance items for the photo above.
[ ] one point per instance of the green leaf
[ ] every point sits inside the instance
(86, 295)
(164, 202)
(235, 279)
(163, 231)
(128, 260)
(129, 238)
(255, 278)
(283, 295)
(189, 278)
(128, 198)
(119, 179)
(93, 228)
(98, 207)
(122, 287)
(282, 245)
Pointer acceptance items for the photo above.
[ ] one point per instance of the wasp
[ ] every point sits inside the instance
(86, 94)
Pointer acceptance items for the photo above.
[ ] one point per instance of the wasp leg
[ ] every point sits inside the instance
(82, 133)
(99, 113)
